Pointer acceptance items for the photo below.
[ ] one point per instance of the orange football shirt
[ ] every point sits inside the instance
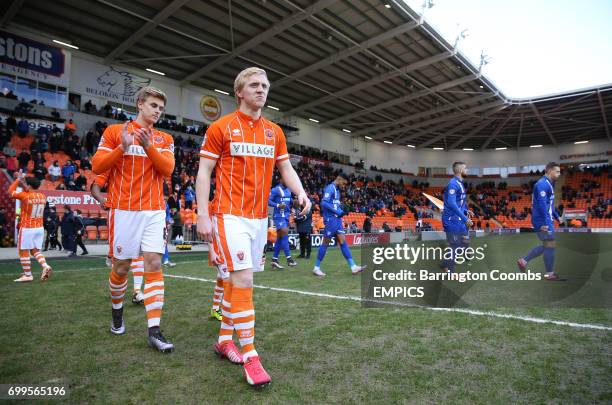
(32, 206)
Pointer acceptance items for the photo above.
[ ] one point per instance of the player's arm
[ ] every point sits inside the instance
(96, 192)
(19, 182)
(540, 201)
(327, 203)
(163, 162)
(451, 202)
(110, 150)
(272, 199)
(204, 225)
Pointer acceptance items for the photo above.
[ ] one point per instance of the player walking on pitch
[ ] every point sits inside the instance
(332, 218)
(281, 200)
(31, 231)
(139, 158)
(542, 215)
(244, 148)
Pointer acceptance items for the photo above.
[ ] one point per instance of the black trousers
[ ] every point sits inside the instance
(78, 241)
(54, 242)
(305, 243)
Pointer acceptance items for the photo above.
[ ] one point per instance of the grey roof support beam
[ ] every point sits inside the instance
(11, 12)
(539, 117)
(472, 133)
(501, 126)
(603, 114)
(473, 110)
(423, 114)
(458, 128)
(144, 30)
(405, 99)
(373, 81)
(345, 53)
(273, 31)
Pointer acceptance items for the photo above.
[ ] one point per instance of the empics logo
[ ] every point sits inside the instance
(251, 149)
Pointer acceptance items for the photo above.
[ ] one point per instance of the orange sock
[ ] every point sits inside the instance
(26, 264)
(40, 258)
(117, 285)
(243, 315)
(227, 325)
(154, 297)
(137, 269)
(218, 293)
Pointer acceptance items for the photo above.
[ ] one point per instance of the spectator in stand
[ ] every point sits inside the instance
(55, 141)
(55, 114)
(89, 142)
(68, 171)
(189, 196)
(55, 171)
(386, 227)
(67, 228)
(367, 225)
(51, 225)
(173, 202)
(71, 126)
(39, 171)
(108, 110)
(11, 165)
(85, 164)
(89, 108)
(24, 158)
(78, 230)
(23, 128)
(81, 183)
(11, 124)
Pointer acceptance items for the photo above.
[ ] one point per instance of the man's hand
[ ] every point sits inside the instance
(470, 213)
(214, 258)
(544, 228)
(204, 227)
(21, 177)
(143, 136)
(469, 222)
(126, 138)
(304, 201)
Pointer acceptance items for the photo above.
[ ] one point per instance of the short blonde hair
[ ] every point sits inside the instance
(150, 91)
(242, 78)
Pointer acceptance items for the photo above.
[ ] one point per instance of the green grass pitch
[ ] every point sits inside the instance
(317, 349)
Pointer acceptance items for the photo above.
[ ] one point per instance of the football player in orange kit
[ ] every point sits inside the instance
(243, 148)
(31, 231)
(138, 157)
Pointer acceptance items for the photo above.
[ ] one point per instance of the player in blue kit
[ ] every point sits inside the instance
(456, 216)
(281, 200)
(542, 215)
(332, 218)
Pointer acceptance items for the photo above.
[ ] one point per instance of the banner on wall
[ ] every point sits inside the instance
(77, 200)
(34, 60)
(116, 84)
(352, 239)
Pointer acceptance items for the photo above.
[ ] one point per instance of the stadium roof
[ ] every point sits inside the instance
(371, 67)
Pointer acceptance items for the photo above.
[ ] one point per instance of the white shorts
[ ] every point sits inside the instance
(222, 272)
(31, 238)
(136, 231)
(241, 241)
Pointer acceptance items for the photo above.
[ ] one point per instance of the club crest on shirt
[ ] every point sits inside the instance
(158, 139)
(236, 132)
(269, 133)
(119, 249)
(543, 193)
(240, 255)
(451, 191)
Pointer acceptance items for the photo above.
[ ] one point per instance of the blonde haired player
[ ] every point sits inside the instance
(243, 148)
(31, 231)
(137, 265)
(139, 158)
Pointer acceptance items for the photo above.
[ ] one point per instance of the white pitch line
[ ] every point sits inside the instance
(460, 310)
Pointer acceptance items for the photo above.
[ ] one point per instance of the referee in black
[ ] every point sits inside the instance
(304, 228)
